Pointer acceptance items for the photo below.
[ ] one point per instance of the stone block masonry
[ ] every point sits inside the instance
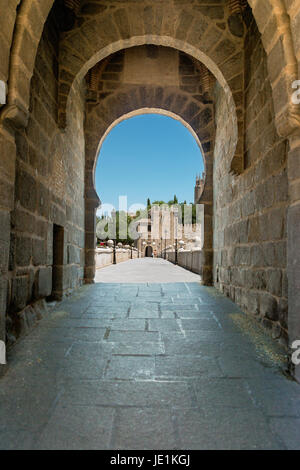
(250, 210)
(48, 192)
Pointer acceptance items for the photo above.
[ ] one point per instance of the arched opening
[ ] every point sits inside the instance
(148, 252)
(149, 159)
(117, 89)
(156, 142)
(59, 166)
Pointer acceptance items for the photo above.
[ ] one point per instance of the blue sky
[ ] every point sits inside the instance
(145, 156)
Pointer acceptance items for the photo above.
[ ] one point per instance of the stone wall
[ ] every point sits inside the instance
(191, 260)
(250, 210)
(49, 192)
(142, 66)
(104, 257)
(8, 13)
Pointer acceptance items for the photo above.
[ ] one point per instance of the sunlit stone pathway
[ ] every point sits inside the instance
(148, 366)
(145, 270)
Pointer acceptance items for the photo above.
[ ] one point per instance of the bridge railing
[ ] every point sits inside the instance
(105, 256)
(188, 259)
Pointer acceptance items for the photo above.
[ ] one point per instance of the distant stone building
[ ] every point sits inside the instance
(160, 230)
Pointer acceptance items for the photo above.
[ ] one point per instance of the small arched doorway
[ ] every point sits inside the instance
(148, 252)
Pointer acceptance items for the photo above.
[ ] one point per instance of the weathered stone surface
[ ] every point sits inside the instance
(268, 307)
(73, 255)
(26, 190)
(249, 214)
(3, 297)
(43, 283)
(38, 252)
(236, 25)
(293, 272)
(19, 295)
(45, 159)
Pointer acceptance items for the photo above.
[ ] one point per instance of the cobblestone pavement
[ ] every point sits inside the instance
(148, 366)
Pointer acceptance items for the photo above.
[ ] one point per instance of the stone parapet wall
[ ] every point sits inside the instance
(104, 257)
(191, 260)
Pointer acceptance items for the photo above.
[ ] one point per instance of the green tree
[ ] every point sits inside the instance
(158, 203)
(128, 240)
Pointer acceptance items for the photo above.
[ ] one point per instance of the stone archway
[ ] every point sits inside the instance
(175, 99)
(141, 100)
(28, 28)
(273, 18)
(226, 70)
(151, 25)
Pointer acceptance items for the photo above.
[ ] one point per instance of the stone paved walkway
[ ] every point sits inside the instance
(150, 270)
(148, 366)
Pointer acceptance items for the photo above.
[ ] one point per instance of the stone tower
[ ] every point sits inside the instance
(199, 188)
